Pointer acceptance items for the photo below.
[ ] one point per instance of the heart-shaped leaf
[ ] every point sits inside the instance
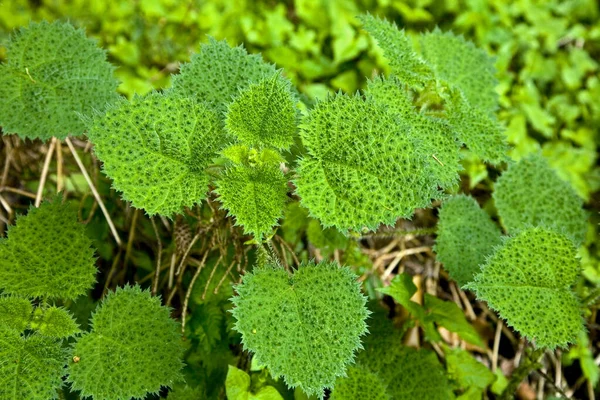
(304, 326)
(528, 282)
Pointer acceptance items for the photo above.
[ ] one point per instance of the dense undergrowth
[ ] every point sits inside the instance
(228, 196)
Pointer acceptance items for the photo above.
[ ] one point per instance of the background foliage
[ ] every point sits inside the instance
(549, 94)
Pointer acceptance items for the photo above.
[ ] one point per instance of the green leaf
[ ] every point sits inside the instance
(15, 313)
(361, 169)
(435, 136)
(327, 240)
(156, 149)
(52, 74)
(304, 326)
(462, 65)
(478, 130)
(54, 322)
(583, 352)
(218, 72)
(31, 367)
(264, 114)
(254, 195)
(134, 348)
(388, 370)
(451, 317)
(47, 254)
(360, 384)
(531, 193)
(237, 387)
(186, 392)
(417, 374)
(237, 384)
(527, 281)
(402, 289)
(405, 63)
(467, 371)
(466, 235)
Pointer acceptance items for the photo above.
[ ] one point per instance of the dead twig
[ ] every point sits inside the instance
(189, 291)
(94, 191)
(45, 168)
(158, 258)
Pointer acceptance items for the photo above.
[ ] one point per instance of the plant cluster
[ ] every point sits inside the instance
(234, 127)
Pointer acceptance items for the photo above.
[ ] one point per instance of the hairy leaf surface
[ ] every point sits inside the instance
(54, 322)
(218, 72)
(31, 367)
(47, 254)
(435, 137)
(464, 66)
(405, 63)
(156, 149)
(467, 371)
(466, 235)
(53, 73)
(386, 369)
(255, 195)
(264, 114)
(480, 131)
(15, 313)
(360, 384)
(531, 193)
(362, 169)
(305, 327)
(527, 281)
(134, 348)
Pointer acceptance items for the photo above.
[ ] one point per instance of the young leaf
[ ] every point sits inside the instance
(255, 195)
(47, 254)
(466, 235)
(451, 317)
(218, 72)
(15, 313)
(134, 348)
(467, 371)
(531, 193)
(362, 169)
(31, 367)
(156, 148)
(434, 135)
(462, 65)
(53, 72)
(527, 281)
(54, 322)
(305, 327)
(237, 387)
(407, 65)
(264, 114)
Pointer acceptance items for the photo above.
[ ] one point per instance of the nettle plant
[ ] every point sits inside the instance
(234, 125)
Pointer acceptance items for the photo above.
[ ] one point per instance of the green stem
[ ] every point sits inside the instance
(529, 364)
